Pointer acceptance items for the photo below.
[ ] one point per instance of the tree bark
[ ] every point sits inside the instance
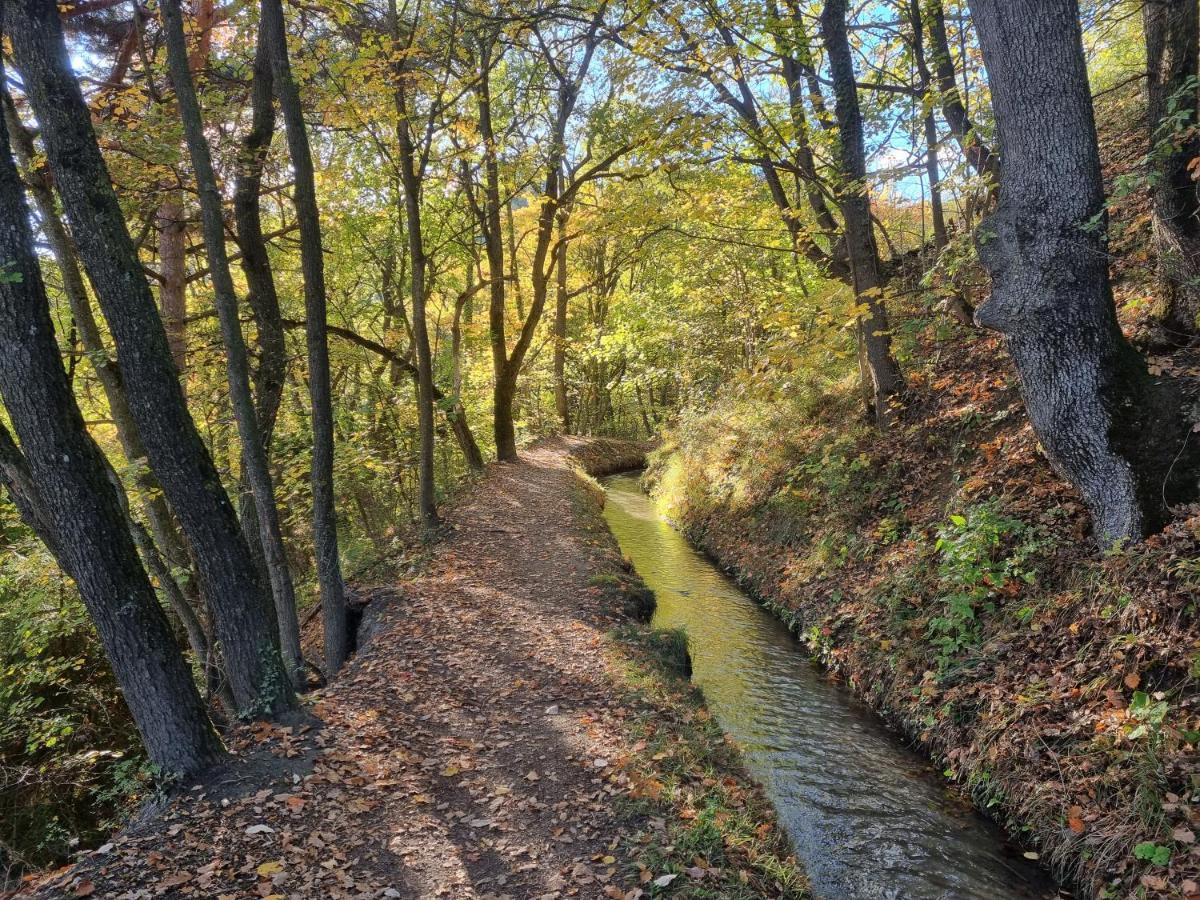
(182, 463)
(855, 203)
(329, 567)
(82, 507)
(254, 454)
(1105, 425)
(1172, 33)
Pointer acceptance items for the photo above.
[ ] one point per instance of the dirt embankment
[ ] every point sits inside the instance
(506, 733)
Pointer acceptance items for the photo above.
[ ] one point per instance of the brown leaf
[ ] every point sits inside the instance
(1075, 820)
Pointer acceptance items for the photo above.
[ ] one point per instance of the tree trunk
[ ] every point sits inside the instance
(503, 429)
(1105, 425)
(560, 327)
(254, 454)
(411, 183)
(855, 203)
(261, 295)
(172, 269)
(82, 507)
(929, 122)
(185, 469)
(329, 567)
(1172, 31)
(978, 154)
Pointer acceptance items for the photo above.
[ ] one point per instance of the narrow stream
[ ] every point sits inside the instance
(868, 817)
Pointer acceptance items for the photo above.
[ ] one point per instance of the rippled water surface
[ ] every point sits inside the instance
(868, 818)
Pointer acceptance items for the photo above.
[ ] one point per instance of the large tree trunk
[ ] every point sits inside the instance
(1105, 425)
(254, 454)
(225, 569)
(1172, 30)
(81, 504)
(329, 566)
(855, 203)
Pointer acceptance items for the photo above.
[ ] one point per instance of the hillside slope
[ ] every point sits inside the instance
(949, 576)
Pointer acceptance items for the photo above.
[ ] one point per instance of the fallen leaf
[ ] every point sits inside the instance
(665, 880)
(267, 869)
(1075, 820)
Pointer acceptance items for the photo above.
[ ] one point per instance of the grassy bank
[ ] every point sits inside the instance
(703, 820)
(948, 576)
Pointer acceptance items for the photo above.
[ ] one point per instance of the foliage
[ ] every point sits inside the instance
(981, 551)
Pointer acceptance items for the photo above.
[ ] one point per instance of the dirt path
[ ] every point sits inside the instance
(476, 747)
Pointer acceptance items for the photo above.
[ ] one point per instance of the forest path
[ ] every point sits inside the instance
(469, 750)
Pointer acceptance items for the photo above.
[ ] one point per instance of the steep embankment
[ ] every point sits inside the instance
(505, 732)
(948, 575)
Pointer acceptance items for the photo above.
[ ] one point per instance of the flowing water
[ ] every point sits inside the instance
(868, 817)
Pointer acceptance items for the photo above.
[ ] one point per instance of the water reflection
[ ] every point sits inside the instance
(868, 818)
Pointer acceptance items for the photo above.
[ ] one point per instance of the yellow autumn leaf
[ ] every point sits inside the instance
(267, 869)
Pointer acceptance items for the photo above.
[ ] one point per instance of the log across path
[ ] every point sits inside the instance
(492, 738)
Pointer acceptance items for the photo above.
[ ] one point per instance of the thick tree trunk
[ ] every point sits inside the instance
(254, 454)
(1172, 31)
(855, 202)
(182, 463)
(329, 566)
(82, 506)
(1105, 425)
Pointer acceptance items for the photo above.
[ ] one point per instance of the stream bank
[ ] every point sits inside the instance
(870, 818)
